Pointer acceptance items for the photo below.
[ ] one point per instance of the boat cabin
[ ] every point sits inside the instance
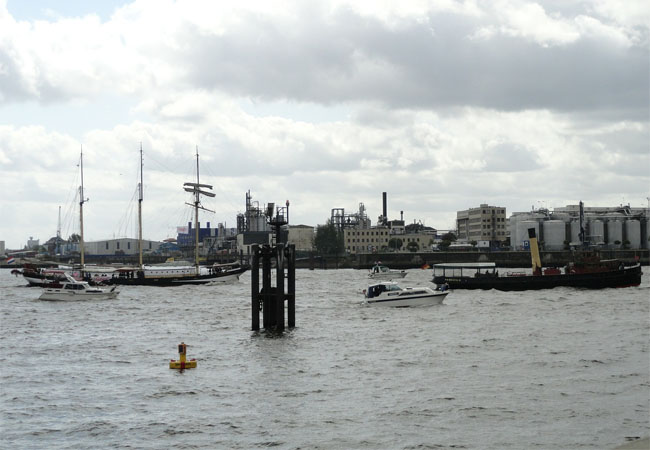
(375, 289)
(476, 270)
(378, 268)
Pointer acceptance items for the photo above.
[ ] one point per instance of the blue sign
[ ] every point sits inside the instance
(526, 245)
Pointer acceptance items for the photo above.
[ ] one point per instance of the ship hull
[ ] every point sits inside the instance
(629, 276)
(171, 280)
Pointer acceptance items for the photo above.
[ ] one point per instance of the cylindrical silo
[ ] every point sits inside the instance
(575, 232)
(554, 234)
(522, 232)
(633, 233)
(596, 231)
(614, 232)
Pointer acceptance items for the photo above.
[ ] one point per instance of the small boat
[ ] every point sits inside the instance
(381, 272)
(72, 289)
(37, 276)
(389, 293)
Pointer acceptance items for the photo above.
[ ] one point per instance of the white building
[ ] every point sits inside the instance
(124, 246)
(32, 243)
(483, 223)
(302, 236)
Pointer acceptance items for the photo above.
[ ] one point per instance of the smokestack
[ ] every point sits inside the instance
(401, 216)
(385, 214)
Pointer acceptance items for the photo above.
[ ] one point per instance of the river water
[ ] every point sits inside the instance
(555, 369)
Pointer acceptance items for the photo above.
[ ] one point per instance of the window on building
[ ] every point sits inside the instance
(107, 246)
(118, 245)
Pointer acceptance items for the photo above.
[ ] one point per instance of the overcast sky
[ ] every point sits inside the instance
(442, 104)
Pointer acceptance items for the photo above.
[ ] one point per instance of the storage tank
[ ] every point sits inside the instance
(575, 232)
(522, 232)
(614, 232)
(596, 231)
(633, 233)
(554, 234)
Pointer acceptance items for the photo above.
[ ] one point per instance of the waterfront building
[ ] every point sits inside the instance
(32, 243)
(366, 240)
(302, 236)
(483, 223)
(123, 246)
(186, 235)
(247, 239)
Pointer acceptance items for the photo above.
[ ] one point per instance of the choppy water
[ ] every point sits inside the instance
(557, 369)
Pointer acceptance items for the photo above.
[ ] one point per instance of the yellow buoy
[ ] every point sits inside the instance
(182, 363)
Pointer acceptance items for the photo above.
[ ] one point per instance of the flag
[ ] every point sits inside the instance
(11, 260)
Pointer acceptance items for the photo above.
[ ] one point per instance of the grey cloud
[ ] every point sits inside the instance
(508, 157)
(421, 65)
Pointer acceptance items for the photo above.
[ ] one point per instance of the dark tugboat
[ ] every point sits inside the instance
(587, 271)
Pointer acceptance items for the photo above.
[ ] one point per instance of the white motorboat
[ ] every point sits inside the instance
(381, 272)
(389, 293)
(72, 289)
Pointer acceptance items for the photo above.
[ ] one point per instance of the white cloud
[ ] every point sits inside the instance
(442, 104)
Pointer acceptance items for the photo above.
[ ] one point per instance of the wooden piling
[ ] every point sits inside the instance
(279, 289)
(290, 251)
(273, 298)
(267, 301)
(255, 289)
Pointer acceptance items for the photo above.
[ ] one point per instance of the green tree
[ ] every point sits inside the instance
(447, 239)
(395, 243)
(328, 240)
(413, 246)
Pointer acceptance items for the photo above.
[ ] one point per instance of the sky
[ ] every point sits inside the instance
(442, 104)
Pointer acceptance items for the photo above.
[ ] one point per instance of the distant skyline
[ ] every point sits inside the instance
(442, 104)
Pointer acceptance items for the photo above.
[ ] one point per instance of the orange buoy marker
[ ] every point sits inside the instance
(182, 364)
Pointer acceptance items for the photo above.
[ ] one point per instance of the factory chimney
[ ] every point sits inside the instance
(385, 212)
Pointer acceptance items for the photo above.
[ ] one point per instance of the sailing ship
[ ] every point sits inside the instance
(165, 275)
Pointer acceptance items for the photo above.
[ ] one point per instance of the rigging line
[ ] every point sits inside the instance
(217, 186)
(71, 213)
(126, 217)
(178, 168)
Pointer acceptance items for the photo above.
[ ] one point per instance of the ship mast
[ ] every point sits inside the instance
(58, 234)
(140, 198)
(82, 200)
(195, 188)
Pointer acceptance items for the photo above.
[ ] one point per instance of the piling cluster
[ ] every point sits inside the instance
(270, 299)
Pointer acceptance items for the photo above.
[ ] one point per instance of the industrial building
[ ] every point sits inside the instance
(606, 227)
(253, 227)
(302, 237)
(124, 246)
(359, 236)
(482, 224)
